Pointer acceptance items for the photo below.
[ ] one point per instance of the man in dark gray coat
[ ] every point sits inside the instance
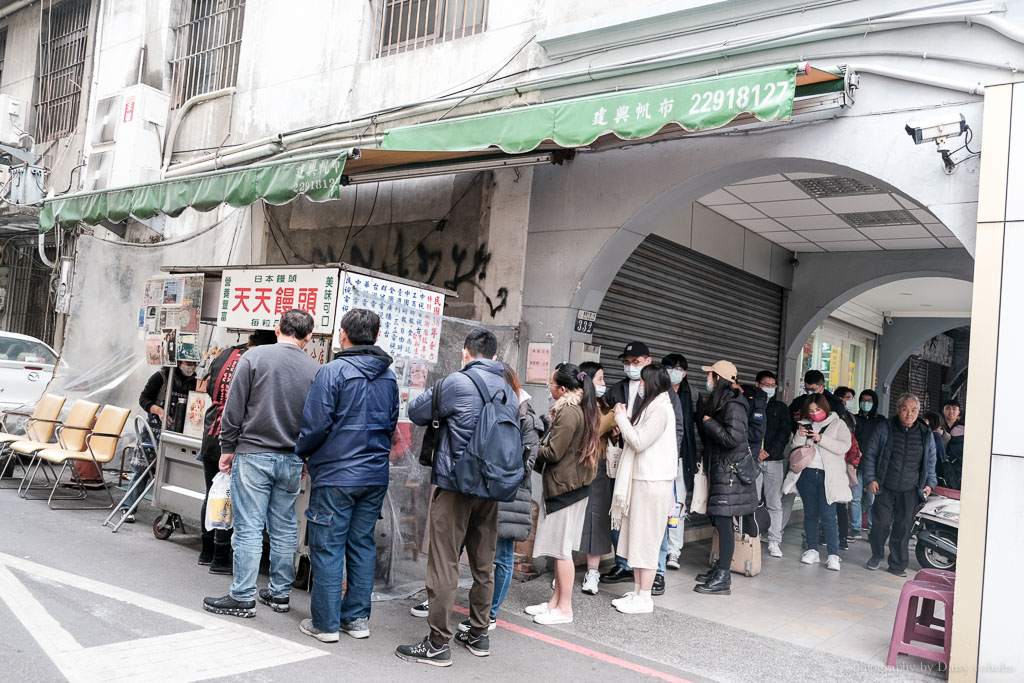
(900, 472)
(456, 518)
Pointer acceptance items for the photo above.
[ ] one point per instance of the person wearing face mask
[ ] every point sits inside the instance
(771, 457)
(823, 484)
(676, 365)
(183, 380)
(846, 397)
(868, 420)
(635, 357)
(597, 530)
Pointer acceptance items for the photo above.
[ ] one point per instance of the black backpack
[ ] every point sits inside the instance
(491, 466)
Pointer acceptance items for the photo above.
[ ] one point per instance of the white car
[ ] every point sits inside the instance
(26, 366)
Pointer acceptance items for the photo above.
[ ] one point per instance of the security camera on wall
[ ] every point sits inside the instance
(939, 129)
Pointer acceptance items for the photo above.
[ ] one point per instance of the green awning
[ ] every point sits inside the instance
(317, 177)
(766, 94)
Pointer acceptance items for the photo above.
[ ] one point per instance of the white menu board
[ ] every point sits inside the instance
(410, 317)
(256, 299)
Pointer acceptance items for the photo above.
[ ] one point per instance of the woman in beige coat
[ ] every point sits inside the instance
(823, 483)
(643, 493)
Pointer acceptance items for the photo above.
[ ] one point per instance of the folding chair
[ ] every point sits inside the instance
(100, 448)
(143, 435)
(40, 426)
(79, 420)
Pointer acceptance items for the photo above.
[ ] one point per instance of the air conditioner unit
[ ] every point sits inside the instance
(126, 138)
(13, 113)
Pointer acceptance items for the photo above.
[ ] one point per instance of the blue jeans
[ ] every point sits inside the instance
(342, 520)
(264, 487)
(856, 510)
(504, 556)
(663, 553)
(811, 486)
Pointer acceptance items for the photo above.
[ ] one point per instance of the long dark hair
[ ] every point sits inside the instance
(656, 382)
(592, 368)
(570, 377)
(513, 381)
(722, 392)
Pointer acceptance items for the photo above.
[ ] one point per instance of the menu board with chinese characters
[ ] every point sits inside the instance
(256, 299)
(410, 317)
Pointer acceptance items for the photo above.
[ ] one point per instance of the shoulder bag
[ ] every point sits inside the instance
(432, 435)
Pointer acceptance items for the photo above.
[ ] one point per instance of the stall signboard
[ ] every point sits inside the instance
(410, 317)
(256, 299)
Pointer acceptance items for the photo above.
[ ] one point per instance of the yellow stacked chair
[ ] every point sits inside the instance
(41, 423)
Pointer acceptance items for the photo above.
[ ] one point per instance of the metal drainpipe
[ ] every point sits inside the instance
(914, 77)
(172, 131)
(11, 9)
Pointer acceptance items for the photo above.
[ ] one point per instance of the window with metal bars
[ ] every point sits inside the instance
(409, 24)
(207, 44)
(65, 34)
(3, 52)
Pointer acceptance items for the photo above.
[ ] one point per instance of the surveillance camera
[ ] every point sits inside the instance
(795, 262)
(936, 128)
(888, 319)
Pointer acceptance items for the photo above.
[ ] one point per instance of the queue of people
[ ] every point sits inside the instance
(615, 465)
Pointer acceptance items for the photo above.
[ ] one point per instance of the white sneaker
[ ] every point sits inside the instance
(774, 550)
(552, 617)
(810, 557)
(672, 562)
(832, 563)
(623, 600)
(591, 581)
(534, 610)
(637, 604)
(552, 584)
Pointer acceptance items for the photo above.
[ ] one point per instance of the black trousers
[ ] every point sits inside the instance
(726, 540)
(893, 510)
(843, 519)
(211, 466)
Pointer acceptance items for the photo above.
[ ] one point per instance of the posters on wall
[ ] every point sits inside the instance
(168, 347)
(318, 348)
(169, 319)
(538, 363)
(173, 294)
(188, 347)
(195, 413)
(153, 344)
(256, 299)
(410, 317)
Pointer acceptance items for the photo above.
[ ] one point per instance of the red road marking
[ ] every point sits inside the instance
(579, 649)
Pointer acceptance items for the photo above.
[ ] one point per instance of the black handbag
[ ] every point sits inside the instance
(432, 436)
(746, 469)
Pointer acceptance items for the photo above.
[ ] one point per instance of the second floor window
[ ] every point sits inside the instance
(207, 44)
(61, 68)
(408, 24)
(3, 52)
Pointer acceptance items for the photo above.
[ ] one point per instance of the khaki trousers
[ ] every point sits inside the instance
(456, 519)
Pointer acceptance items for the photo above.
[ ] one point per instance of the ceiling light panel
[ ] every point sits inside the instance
(868, 219)
(835, 186)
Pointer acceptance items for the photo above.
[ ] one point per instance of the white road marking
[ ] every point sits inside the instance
(218, 648)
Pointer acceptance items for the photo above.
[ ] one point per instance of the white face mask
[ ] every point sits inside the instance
(187, 370)
(675, 376)
(769, 390)
(710, 385)
(599, 389)
(850, 405)
(632, 371)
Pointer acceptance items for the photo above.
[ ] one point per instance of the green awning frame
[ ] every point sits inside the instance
(704, 104)
(276, 182)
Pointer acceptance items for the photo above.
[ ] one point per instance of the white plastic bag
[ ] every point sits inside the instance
(701, 491)
(218, 503)
(612, 457)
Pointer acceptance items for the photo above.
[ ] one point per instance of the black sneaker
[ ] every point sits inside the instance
(873, 563)
(276, 604)
(898, 572)
(127, 517)
(658, 587)
(421, 610)
(424, 652)
(231, 607)
(465, 627)
(477, 645)
(617, 575)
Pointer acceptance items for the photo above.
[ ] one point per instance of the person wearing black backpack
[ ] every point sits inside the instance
(455, 517)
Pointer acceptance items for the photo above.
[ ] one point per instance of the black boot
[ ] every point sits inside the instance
(206, 554)
(706, 576)
(720, 583)
(221, 563)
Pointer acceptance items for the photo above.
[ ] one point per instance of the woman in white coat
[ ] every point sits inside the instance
(643, 495)
(823, 483)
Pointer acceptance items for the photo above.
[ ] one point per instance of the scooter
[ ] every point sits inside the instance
(936, 529)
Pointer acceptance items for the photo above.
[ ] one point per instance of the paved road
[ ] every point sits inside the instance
(79, 603)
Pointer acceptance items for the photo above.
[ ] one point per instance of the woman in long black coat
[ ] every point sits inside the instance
(724, 433)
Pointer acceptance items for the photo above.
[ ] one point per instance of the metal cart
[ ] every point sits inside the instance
(180, 486)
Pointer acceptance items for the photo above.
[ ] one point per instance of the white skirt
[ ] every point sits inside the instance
(558, 534)
(644, 527)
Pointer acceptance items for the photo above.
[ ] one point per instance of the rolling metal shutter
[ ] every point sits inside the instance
(677, 300)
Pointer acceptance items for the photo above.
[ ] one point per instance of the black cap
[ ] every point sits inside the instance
(635, 350)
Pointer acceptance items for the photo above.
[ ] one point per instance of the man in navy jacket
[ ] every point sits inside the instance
(347, 424)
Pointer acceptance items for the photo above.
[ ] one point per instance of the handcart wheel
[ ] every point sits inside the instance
(162, 527)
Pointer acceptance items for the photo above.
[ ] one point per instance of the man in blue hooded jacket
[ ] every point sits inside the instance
(347, 424)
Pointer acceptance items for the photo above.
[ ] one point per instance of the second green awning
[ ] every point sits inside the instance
(318, 178)
(766, 94)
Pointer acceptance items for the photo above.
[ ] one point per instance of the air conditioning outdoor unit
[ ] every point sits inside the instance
(126, 138)
(13, 113)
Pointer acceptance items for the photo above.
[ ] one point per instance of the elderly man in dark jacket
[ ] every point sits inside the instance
(900, 472)
(347, 424)
(456, 518)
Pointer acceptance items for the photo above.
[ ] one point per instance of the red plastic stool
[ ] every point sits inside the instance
(936, 576)
(927, 618)
(906, 628)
